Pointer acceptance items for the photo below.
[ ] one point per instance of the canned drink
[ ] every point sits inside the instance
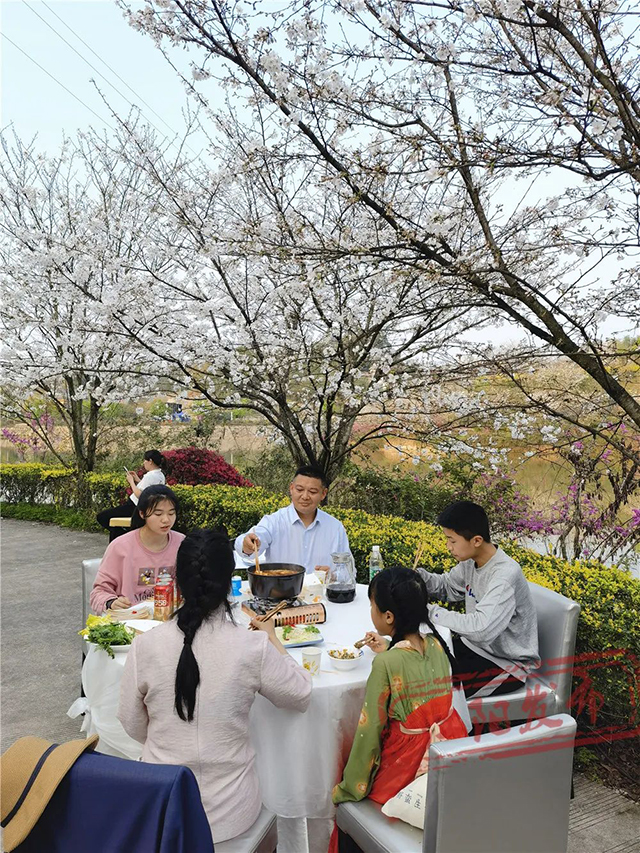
(163, 597)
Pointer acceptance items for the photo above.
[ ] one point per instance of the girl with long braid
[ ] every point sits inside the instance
(188, 686)
(409, 696)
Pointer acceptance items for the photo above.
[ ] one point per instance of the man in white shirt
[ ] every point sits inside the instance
(301, 532)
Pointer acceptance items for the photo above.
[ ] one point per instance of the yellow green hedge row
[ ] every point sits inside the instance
(610, 598)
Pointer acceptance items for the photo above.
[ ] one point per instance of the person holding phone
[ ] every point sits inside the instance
(153, 464)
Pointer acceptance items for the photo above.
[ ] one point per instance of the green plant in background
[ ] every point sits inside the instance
(391, 492)
(588, 762)
(272, 469)
(73, 519)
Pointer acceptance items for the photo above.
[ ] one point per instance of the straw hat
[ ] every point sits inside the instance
(31, 770)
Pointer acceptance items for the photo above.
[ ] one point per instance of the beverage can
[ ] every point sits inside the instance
(163, 597)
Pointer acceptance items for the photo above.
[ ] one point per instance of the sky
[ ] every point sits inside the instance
(35, 103)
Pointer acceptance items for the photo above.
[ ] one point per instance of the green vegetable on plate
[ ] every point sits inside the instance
(105, 632)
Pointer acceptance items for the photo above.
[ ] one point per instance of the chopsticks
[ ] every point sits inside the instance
(360, 643)
(255, 556)
(419, 554)
(271, 613)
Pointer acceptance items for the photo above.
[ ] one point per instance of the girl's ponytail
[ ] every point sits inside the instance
(204, 566)
(452, 661)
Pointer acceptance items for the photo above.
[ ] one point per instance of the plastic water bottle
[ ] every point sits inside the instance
(236, 591)
(375, 562)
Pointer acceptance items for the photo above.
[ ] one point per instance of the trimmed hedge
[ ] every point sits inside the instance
(75, 519)
(610, 598)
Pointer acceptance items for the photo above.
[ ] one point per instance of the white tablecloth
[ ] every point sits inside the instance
(299, 756)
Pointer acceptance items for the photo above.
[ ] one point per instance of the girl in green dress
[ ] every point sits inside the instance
(409, 696)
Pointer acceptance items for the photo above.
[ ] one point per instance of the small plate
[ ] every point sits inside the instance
(297, 644)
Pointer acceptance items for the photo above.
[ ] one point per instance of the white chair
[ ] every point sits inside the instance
(557, 627)
(506, 793)
(262, 837)
(89, 572)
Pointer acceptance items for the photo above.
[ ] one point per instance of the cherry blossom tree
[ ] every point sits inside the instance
(494, 146)
(76, 234)
(266, 312)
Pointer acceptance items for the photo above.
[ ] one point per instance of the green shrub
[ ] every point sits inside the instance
(609, 598)
(271, 469)
(71, 518)
(380, 491)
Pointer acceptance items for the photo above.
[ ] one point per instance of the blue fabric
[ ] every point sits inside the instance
(110, 805)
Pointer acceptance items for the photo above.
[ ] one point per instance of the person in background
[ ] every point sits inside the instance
(497, 642)
(300, 533)
(409, 694)
(188, 686)
(153, 464)
(132, 563)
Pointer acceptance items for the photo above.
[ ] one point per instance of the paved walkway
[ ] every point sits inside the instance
(41, 608)
(41, 654)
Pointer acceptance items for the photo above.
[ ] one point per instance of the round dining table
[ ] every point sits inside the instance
(300, 757)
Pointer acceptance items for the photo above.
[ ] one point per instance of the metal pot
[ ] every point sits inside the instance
(276, 587)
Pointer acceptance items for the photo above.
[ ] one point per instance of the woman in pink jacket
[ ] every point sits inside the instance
(132, 562)
(189, 684)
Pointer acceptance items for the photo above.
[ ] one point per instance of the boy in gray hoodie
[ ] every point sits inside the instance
(497, 637)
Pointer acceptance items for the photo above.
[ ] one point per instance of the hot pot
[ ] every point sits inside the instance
(276, 587)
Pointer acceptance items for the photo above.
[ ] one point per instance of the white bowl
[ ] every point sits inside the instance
(345, 663)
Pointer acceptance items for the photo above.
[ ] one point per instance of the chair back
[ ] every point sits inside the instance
(89, 572)
(503, 792)
(105, 804)
(557, 627)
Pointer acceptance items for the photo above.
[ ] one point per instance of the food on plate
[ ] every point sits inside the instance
(294, 634)
(344, 654)
(105, 632)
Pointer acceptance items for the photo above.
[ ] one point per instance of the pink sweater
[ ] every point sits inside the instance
(128, 568)
(235, 664)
